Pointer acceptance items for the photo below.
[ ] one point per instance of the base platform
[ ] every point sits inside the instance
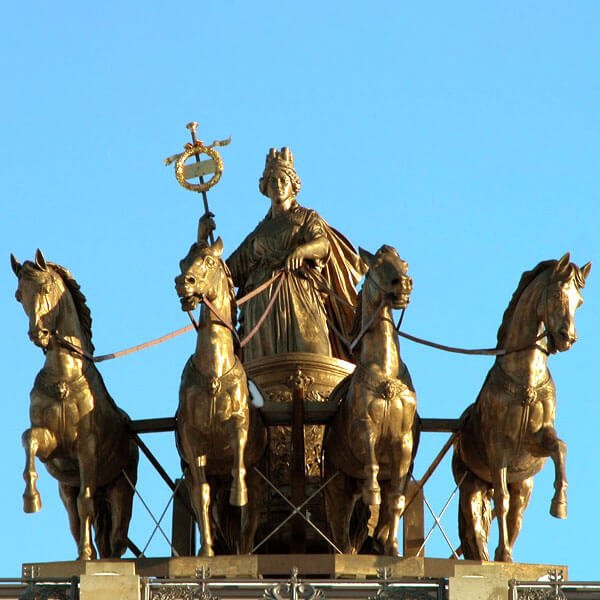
(310, 566)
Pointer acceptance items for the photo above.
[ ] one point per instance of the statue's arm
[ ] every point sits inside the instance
(316, 250)
(315, 245)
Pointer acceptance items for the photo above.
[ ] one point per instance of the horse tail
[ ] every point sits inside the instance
(474, 511)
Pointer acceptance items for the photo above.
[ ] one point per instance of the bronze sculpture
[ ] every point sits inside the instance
(316, 256)
(371, 438)
(217, 434)
(76, 428)
(509, 432)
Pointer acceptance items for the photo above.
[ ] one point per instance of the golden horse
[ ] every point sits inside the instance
(371, 438)
(218, 433)
(509, 432)
(76, 428)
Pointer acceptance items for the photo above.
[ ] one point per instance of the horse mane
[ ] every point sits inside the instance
(526, 279)
(83, 310)
(357, 319)
(231, 292)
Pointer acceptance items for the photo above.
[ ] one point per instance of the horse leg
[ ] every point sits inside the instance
(36, 441)
(520, 493)
(340, 500)
(199, 491)
(557, 450)
(371, 492)
(238, 436)
(119, 495)
(251, 512)
(87, 457)
(501, 504)
(68, 495)
(474, 518)
(102, 522)
(401, 458)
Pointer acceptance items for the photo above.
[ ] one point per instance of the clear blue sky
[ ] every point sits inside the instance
(466, 134)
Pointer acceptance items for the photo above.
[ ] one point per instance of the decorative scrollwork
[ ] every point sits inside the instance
(550, 591)
(294, 589)
(40, 591)
(177, 591)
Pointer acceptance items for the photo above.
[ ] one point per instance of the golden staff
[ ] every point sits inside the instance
(214, 165)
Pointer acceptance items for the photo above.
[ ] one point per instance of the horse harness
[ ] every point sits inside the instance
(526, 395)
(60, 391)
(383, 388)
(215, 385)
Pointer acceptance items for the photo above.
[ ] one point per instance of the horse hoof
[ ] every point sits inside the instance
(558, 509)
(392, 549)
(207, 551)
(88, 554)
(32, 503)
(238, 496)
(371, 497)
(503, 556)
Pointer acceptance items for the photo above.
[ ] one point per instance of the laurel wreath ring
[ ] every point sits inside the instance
(195, 150)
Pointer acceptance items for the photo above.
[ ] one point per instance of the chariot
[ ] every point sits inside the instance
(297, 422)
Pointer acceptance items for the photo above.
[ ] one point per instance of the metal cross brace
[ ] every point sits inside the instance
(437, 520)
(156, 522)
(296, 511)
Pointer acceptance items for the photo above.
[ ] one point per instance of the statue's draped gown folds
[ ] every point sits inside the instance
(298, 320)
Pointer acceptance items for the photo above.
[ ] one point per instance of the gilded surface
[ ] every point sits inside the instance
(274, 376)
(371, 438)
(509, 432)
(316, 256)
(74, 421)
(217, 433)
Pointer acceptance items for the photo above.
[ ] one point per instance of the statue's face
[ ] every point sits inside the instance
(279, 187)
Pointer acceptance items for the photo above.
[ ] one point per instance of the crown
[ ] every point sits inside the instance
(279, 158)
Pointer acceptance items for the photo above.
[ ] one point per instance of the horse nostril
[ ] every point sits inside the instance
(190, 279)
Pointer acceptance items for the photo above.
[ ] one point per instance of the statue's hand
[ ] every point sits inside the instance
(294, 261)
(206, 225)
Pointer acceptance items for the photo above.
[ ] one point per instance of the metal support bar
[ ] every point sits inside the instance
(437, 522)
(157, 523)
(434, 465)
(296, 511)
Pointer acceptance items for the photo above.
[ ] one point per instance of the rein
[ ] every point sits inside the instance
(351, 344)
(69, 346)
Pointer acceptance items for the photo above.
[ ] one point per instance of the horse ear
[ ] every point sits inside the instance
(366, 256)
(563, 263)
(585, 270)
(15, 264)
(216, 249)
(40, 261)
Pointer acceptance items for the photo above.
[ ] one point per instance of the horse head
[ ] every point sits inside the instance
(389, 274)
(40, 291)
(201, 276)
(562, 297)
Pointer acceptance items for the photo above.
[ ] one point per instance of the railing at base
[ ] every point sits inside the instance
(555, 588)
(47, 588)
(293, 589)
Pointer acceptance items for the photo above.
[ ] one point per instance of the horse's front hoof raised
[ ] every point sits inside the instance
(558, 508)
(32, 503)
(238, 496)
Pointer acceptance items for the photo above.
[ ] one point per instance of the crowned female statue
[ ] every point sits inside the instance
(316, 258)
